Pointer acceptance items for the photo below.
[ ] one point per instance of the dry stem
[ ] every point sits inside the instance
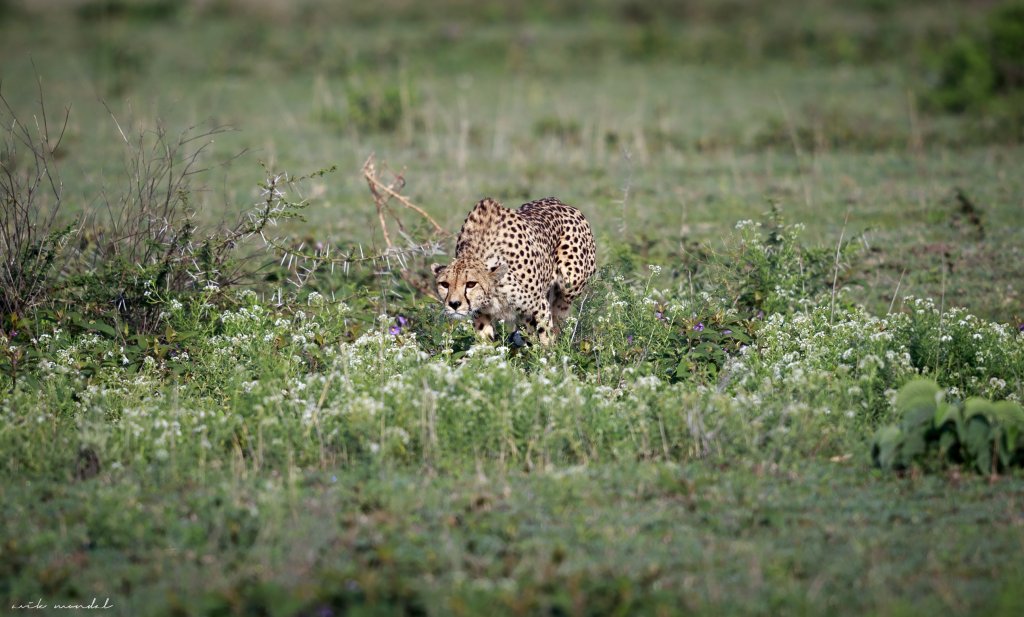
(383, 192)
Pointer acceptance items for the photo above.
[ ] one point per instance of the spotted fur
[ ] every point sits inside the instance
(510, 265)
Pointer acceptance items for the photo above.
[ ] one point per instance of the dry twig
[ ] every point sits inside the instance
(383, 192)
(303, 264)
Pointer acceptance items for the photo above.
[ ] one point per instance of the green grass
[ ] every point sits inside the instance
(676, 452)
(635, 538)
(706, 146)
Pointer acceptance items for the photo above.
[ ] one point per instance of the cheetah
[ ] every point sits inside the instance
(527, 264)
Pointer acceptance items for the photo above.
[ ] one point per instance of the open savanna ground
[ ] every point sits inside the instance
(793, 385)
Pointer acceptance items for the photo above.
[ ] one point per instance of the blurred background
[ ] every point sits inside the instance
(666, 122)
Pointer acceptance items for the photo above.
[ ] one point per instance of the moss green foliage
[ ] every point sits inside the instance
(142, 10)
(222, 394)
(377, 106)
(1007, 44)
(978, 433)
(967, 77)
(974, 69)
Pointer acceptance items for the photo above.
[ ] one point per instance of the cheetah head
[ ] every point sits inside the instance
(466, 286)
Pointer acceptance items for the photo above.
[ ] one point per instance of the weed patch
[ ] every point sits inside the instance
(984, 436)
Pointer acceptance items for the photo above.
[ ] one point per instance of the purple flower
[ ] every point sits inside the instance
(659, 315)
(699, 327)
(726, 331)
(401, 321)
(629, 339)
(1021, 327)
(760, 314)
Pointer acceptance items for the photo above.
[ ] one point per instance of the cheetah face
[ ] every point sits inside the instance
(467, 286)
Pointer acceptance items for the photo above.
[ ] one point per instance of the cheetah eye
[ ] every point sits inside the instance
(470, 284)
(443, 285)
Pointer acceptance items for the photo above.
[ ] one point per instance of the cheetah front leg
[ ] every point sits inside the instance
(544, 325)
(484, 328)
(560, 308)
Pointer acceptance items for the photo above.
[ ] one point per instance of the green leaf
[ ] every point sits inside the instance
(917, 402)
(977, 441)
(915, 444)
(886, 444)
(975, 406)
(1002, 453)
(739, 337)
(947, 414)
(1011, 416)
(707, 349)
(949, 444)
(1008, 413)
(92, 325)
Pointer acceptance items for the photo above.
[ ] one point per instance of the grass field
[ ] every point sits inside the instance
(792, 226)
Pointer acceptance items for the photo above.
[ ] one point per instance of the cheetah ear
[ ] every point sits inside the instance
(437, 269)
(498, 271)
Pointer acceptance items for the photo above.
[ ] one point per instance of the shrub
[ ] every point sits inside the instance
(141, 10)
(971, 356)
(1007, 44)
(851, 361)
(625, 327)
(116, 279)
(966, 78)
(841, 364)
(568, 131)
(379, 107)
(975, 69)
(983, 435)
(32, 235)
(766, 268)
(151, 250)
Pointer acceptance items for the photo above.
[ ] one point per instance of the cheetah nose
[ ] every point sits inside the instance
(455, 304)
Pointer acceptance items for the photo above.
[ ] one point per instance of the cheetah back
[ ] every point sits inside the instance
(566, 236)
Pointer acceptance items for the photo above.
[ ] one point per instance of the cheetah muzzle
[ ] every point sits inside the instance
(518, 265)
